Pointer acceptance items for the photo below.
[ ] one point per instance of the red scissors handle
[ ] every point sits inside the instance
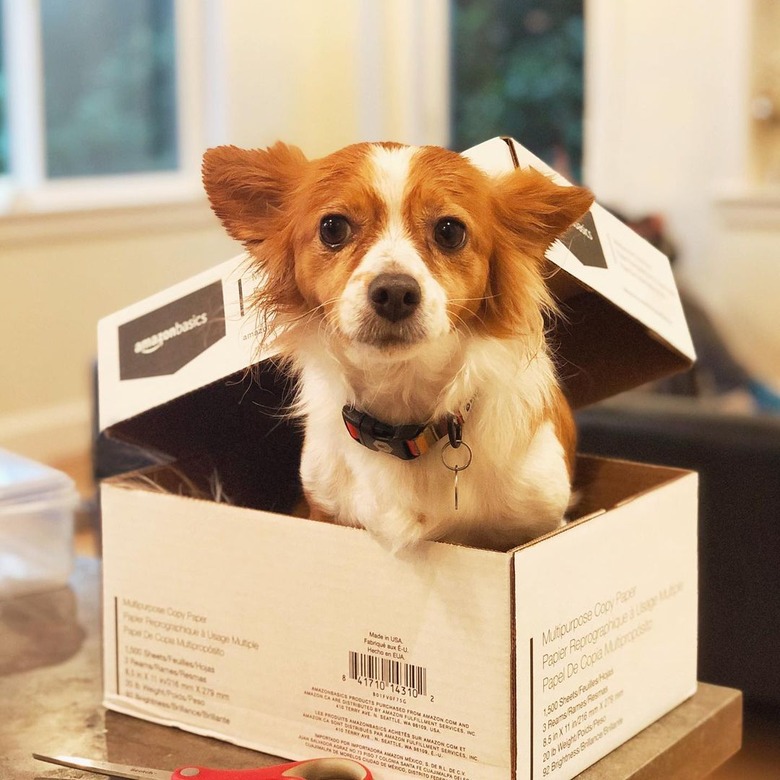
(313, 769)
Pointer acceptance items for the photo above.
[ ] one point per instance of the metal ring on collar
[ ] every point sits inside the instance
(456, 467)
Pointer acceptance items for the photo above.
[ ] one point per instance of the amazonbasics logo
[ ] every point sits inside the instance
(153, 343)
(163, 341)
(582, 240)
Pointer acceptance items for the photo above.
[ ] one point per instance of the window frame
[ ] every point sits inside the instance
(26, 191)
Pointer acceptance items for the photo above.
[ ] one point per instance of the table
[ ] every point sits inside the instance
(50, 702)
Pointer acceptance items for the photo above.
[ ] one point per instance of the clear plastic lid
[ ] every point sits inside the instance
(23, 480)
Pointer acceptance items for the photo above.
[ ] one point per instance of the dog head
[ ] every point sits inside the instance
(392, 247)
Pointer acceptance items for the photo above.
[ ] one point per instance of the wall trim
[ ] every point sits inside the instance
(749, 207)
(56, 227)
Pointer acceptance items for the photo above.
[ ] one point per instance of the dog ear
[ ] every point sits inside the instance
(534, 208)
(252, 192)
(531, 212)
(249, 189)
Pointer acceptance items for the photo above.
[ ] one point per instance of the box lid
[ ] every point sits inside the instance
(23, 480)
(622, 326)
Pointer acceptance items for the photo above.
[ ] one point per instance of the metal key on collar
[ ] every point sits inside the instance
(457, 468)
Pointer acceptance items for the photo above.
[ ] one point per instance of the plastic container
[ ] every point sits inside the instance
(37, 504)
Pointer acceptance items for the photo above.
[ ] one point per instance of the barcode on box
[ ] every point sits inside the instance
(385, 671)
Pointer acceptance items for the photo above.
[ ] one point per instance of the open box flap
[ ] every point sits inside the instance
(623, 323)
(177, 341)
(622, 326)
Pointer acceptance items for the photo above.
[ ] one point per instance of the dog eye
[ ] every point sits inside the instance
(450, 233)
(335, 230)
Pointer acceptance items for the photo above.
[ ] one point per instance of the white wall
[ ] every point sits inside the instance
(668, 131)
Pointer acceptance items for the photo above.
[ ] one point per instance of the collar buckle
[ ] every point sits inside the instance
(406, 442)
(455, 430)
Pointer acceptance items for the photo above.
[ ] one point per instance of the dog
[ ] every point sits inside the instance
(405, 289)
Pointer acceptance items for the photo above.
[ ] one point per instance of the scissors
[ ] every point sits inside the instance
(313, 769)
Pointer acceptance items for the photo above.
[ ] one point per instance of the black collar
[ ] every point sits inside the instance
(406, 442)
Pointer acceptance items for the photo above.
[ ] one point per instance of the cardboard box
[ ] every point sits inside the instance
(233, 619)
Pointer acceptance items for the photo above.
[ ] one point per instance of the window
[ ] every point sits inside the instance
(3, 113)
(109, 86)
(518, 70)
(101, 101)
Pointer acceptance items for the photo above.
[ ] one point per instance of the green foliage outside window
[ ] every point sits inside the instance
(110, 86)
(518, 70)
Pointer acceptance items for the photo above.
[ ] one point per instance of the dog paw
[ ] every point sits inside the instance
(398, 531)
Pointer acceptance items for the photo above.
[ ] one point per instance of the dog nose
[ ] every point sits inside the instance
(394, 296)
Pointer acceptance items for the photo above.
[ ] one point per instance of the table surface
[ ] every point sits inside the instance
(50, 702)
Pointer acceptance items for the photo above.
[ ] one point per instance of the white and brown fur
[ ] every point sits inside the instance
(476, 332)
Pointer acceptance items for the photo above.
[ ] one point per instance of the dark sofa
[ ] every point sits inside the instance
(738, 460)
